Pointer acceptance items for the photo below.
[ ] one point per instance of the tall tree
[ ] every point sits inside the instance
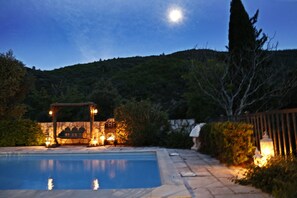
(14, 85)
(241, 33)
(245, 80)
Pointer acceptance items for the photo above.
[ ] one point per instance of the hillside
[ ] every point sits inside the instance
(160, 79)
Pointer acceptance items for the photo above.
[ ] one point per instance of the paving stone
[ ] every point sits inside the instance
(176, 159)
(200, 171)
(183, 169)
(221, 174)
(260, 195)
(203, 193)
(220, 191)
(226, 181)
(244, 189)
(196, 162)
(196, 182)
(180, 165)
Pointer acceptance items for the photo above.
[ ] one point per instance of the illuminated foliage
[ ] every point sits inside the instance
(20, 133)
(143, 123)
(278, 177)
(230, 142)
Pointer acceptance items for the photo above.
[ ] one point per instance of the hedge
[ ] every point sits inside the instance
(20, 133)
(230, 142)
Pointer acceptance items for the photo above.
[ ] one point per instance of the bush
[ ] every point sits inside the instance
(179, 139)
(20, 133)
(230, 142)
(278, 177)
(141, 124)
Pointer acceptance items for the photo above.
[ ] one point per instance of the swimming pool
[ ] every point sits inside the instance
(114, 170)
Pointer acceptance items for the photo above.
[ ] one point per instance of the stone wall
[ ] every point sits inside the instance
(98, 130)
(182, 124)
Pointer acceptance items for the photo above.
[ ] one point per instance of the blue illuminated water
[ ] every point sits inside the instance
(79, 171)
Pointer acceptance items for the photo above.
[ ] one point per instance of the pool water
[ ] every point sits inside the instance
(79, 171)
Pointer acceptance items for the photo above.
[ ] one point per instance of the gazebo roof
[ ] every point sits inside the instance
(73, 104)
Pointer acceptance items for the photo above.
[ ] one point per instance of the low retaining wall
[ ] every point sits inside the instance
(98, 127)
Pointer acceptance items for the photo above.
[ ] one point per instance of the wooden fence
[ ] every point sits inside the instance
(280, 126)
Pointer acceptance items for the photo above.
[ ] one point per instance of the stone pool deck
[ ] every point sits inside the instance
(184, 173)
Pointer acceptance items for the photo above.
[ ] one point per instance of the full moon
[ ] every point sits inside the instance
(175, 15)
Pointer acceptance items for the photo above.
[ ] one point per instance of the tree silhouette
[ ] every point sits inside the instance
(14, 85)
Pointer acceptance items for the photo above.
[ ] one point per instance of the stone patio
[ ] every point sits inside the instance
(184, 173)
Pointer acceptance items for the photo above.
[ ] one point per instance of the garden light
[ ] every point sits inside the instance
(258, 159)
(267, 151)
(94, 111)
(102, 138)
(47, 141)
(266, 146)
(94, 142)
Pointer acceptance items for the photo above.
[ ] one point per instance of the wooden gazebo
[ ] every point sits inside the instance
(54, 108)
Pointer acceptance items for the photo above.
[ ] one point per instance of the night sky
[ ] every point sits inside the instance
(51, 34)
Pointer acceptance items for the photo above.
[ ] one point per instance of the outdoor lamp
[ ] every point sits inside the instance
(266, 146)
(110, 138)
(50, 112)
(47, 141)
(258, 158)
(93, 142)
(95, 111)
(102, 138)
(267, 151)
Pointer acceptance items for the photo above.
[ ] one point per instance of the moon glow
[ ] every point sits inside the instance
(175, 15)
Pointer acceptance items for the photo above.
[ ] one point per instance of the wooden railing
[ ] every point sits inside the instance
(280, 126)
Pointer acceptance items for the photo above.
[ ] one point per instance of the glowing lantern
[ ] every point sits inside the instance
(50, 112)
(102, 138)
(94, 142)
(47, 141)
(267, 151)
(258, 158)
(94, 111)
(266, 146)
(111, 138)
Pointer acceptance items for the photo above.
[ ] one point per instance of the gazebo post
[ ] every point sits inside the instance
(93, 112)
(91, 122)
(55, 111)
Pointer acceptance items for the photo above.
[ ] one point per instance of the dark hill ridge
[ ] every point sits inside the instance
(157, 78)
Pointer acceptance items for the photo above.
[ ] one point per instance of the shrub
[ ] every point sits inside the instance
(121, 133)
(278, 177)
(20, 133)
(230, 142)
(179, 139)
(141, 124)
